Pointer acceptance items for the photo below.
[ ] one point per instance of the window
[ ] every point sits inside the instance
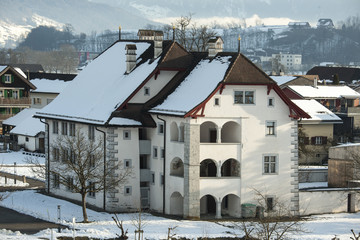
(270, 128)
(160, 128)
(270, 102)
(70, 184)
(7, 78)
(152, 178)
(269, 165)
(55, 127)
(64, 155)
(56, 154)
(161, 179)
(317, 155)
(37, 101)
(269, 204)
(127, 191)
(27, 139)
(72, 129)
(318, 140)
(244, 97)
(64, 128)
(92, 161)
(217, 101)
(72, 156)
(155, 152)
(127, 134)
(162, 153)
(91, 132)
(127, 163)
(49, 100)
(92, 189)
(146, 91)
(56, 181)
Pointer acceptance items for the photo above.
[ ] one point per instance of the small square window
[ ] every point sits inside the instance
(155, 152)
(217, 101)
(26, 139)
(127, 191)
(160, 128)
(127, 163)
(317, 155)
(147, 91)
(127, 134)
(7, 78)
(270, 102)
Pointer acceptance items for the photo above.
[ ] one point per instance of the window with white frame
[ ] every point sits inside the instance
(270, 128)
(244, 97)
(318, 140)
(37, 101)
(270, 164)
(128, 191)
(160, 128)
(127, 134)
(72, 129)
(7, 78)
(127, 163)
(91, 132)
(64, 128)
(55, 127)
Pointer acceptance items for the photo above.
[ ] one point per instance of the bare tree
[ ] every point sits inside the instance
(78, 164)
(120, 225)
(139, 222)
(278, 223)
(182, 23)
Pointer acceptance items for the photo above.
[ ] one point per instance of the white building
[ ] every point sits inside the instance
(200, 133)
(290, 61)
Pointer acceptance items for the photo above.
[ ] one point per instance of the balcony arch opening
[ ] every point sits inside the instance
(208, 132)
(230, 206)
(208, 205)
(230, 133)
(177, 167)
(230, 168)
(176, 204)
(174, 132)
(208, 168)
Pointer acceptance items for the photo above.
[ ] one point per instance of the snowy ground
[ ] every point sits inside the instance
(318, 227)
(11, 183)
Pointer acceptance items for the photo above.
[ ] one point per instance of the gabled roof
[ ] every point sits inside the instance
(318, 113)
(48, 86)
(346, 74)
(18, 72)
(25, 124)
(32, 68)
(19, 117)
(52, 76)
(325, 92)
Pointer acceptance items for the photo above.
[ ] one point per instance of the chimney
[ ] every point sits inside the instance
(173, 27)
(158, 41)
(215, 45)
(239, 39)
(315, 82)
(130, 57)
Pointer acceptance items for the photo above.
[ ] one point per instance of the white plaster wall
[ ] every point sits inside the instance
(220, 187)
(30, 145)
(155, 86)
(320, 202)
(44, 97)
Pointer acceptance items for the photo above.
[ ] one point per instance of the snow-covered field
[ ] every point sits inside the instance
(45, 207)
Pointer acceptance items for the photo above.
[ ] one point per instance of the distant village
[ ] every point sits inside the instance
(199, 130)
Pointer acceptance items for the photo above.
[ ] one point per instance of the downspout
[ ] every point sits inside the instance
(164, 165)
(104, 197)
(48, 154)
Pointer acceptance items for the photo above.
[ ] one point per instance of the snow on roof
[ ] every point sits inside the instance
(280, 80)
(124, 122)
(2, 67)
(196, 87)
(48, 86)
(20, 72)
(347, 145)
(326, 92)
(21, 116)
(317, 111)
(99, 89)
(29, 126)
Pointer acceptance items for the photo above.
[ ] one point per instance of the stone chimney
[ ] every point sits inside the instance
(215, 45)
(130, 57)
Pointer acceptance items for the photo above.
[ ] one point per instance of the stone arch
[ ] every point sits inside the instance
(230, 205)
(176, 204)
(208, 205)
(174, 132)
(230, 168)
(230, 132)
(177, 167)
(208, 168)
(208, 132)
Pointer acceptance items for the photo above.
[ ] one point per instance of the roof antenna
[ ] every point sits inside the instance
(239, 38)
(173, 33)
(119, 32)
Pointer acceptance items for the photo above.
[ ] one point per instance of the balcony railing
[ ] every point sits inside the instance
(15, 101)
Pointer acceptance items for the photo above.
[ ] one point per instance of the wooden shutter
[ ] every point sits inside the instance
(324, 140)
(12, 78)
(3, 78)
(313, 140)
(21, 92)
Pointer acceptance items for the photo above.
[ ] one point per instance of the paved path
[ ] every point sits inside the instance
(33, 183)
(15, 221)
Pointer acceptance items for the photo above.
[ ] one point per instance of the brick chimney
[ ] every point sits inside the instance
(215, 45)
(130, 57)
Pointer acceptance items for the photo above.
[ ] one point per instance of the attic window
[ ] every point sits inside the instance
(7, 78)
(146, 91)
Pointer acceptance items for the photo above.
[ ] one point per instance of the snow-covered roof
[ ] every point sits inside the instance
(192, 91)
(347, 145)
(21, 116)
(101, 87)
(2, 67)
(49, 86)
(280, 80)
(326, 92)
(317, 112)
(124, 122)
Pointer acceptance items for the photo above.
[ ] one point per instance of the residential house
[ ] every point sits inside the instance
(346, 74)
(286, 60)
(299, 25)
(286, 80)
(14, 92)
(25, 131)
(200, 132)
(325, 23)
(315, 134)
(341, 100)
